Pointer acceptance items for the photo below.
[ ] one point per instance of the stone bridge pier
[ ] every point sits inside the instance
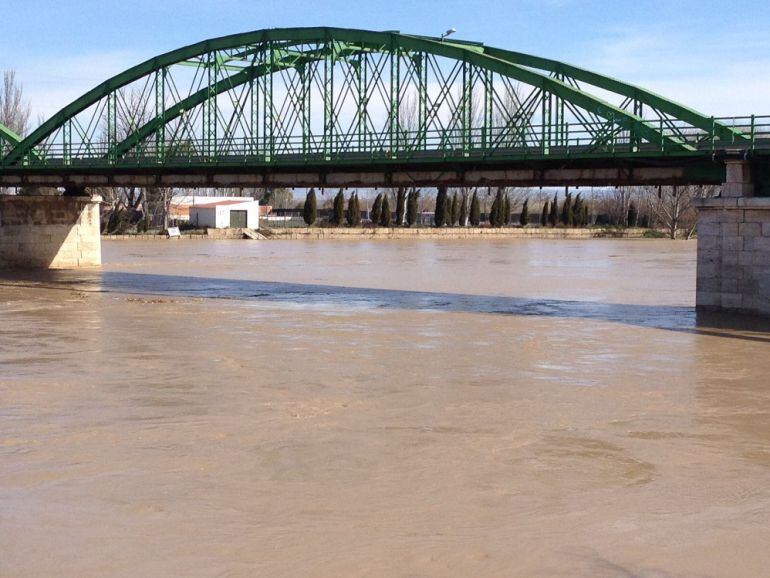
(734, 246)
(49, 232)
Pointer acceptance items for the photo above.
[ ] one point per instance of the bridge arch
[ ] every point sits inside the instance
(328, 93)
(8, 140)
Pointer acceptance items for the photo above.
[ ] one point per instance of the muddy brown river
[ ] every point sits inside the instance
(433, 408)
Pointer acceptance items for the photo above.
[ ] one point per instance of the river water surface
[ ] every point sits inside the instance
(417, 408)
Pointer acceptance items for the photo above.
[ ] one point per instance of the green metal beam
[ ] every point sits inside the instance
(288, 59)
(472, 53)
(291, 59)
(9, 136)
(679, 111)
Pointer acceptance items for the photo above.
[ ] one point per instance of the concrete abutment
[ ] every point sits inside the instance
(734, 247)
(49, 232)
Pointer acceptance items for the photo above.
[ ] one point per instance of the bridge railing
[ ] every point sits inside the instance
(523, 141)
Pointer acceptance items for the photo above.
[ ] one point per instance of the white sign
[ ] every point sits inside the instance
(173, 232)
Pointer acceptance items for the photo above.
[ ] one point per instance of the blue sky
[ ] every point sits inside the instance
(712, 55)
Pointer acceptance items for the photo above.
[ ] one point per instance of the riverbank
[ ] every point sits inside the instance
(393, 233)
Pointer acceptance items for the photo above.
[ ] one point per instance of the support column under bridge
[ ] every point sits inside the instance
(49, 232)
(734, 247)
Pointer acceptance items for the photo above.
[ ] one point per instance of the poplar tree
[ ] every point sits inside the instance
(553, 217)
(400, 206)
(385, 215)
(475, 215)
(544, 214)
(376, 210)
(310, 210)
(524, 218)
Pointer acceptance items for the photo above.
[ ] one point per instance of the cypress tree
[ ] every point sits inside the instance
(577, 211)
(376, 210)
(506, 210)
(310, 210)
(464, 210)
(586, 217)
(493, 213)
(439, 216)
(455, 209)
(544, 214)
(385, 215)
(400, 206)
(566, 210)
(338, 210)
(500, 200)
(412, 208)
(553, 218)
(524, 218)
(353, 214)
(633, 215)
(475, 216)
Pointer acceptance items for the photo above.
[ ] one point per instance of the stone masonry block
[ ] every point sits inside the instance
(711, 299)
(732, 244)
(750, 229)
(755, 216)
(732, 301)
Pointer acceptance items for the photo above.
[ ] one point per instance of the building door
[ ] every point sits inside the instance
(238, 219)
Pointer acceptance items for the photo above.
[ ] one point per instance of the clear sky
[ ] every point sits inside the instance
(711, 55)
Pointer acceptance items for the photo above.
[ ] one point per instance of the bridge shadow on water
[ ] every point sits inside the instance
(666, 317)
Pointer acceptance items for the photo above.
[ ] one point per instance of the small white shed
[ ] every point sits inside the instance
(226, 214)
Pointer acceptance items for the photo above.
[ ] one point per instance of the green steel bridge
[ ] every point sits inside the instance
(340, 107)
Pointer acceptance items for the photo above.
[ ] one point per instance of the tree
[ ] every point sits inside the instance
(376, 210)
(586, 216)
(278, 198)
(338, 210)
(566, 210)
(385, 214)
(400, 206)
(440, 214)
(475, 216)
(673, 207)
(544, 214)
(553, 218)
(412, 207)
(353, 215)
(14, 111)
(464, 210)
(310, 210)
(497, 213)
(455, 212)
(507, 209)
(577, 211)
(493, 213)
(524, 218)
(633, 215)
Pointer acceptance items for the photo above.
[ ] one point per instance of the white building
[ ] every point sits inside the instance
(242, 214)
